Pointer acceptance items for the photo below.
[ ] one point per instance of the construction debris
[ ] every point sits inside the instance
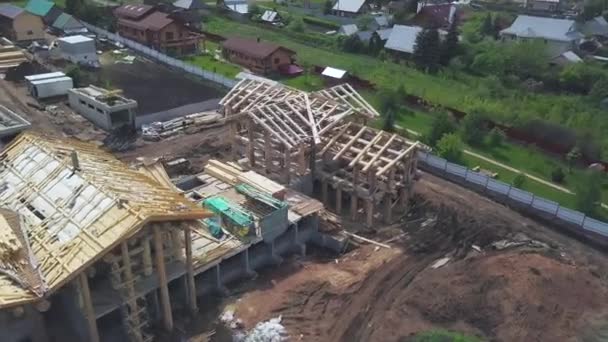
(440, 263)
(361, 238)
(268, 331)
(159, 130)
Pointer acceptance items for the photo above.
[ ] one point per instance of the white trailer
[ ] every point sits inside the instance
(51, 87)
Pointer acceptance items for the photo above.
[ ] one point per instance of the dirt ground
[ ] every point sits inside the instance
(551, 288)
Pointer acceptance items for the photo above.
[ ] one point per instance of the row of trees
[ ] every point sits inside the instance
(431, 52)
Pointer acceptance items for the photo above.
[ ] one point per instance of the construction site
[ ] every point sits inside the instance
(281, 205)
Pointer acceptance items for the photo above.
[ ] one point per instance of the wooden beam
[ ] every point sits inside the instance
(335, 138)
(190, 271)
(162, 279)
(350, 143)
(394, 161)
(379, 153)
(311, 119)
(366, 148)
(268, 129)
(88, 307)
(337, 119)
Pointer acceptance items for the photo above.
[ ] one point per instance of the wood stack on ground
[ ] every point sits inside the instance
(159, 130)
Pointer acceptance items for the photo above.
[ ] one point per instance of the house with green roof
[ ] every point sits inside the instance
(47, 10)
(68, 25)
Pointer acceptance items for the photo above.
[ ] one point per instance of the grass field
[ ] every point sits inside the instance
(207, 62)
(442, 336)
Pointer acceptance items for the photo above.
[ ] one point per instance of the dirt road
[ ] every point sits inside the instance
(549, 289)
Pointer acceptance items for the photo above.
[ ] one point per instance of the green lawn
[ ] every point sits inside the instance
(304, 82)
(442, 336)
(207, 62)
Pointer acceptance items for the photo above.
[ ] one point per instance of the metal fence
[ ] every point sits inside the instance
(525, 198)
(161, 57)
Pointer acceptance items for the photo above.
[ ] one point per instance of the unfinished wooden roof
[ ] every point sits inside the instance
(250, 93)
(77, 203)
(367, 148)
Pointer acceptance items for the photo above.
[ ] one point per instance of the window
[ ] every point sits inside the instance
(91, 106)
(169, 35)
(30, 32)
(277, 60)
(82, 102)
(99, 110)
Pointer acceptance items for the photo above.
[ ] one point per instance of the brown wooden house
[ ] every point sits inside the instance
(259, 57)
(155, 29)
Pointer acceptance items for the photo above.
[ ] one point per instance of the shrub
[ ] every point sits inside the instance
(442, 124)
(519, 180)
(588, 193)
(450, 148)
(558, 175)
(473, 128)
(496, 137)
(320, 22)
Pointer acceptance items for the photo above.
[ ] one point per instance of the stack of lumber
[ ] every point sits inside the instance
(263, 184)
(159, 130)
(226, 172)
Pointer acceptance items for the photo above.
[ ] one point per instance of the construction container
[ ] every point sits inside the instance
(46, 88)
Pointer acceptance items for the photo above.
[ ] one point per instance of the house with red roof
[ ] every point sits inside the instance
(260, 57)
(155, 29)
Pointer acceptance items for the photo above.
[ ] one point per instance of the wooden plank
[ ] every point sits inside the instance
(366, 148)
(379, 153)
(335, 138)
(311, 119)
(162, 279)
(88, 307)
(394, 161)
(350, 143)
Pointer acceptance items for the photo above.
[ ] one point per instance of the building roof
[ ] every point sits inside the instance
(384, 34)
(252, 47)
(75, 39)
(348, 29)
(239, 6)
(155, 21)
(570, 56)
(381, 20)
(132, 11)
(365, 36)
(10, 11)
(73, 217)
(39, 7)
(526, 26)
(189, 4)
(403, 38)
(66, 21)
(435, 15)
(352, 6)
(269, 16)
(333, 72)
(597, 26)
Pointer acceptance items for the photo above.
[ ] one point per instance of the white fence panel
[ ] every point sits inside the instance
(522, 196)
(571, 216)
(456, 169)
(596, 226)
(498, 186)
(545, 205)
(477, 178)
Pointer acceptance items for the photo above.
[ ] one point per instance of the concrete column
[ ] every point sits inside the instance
(353, 205)
(338, 199)
(324, 191)
(250, 272)
(190, 284)
(275, 257)
(300, 245)
(388, 208)
(147, 256)
(88, 307)
(369, 211)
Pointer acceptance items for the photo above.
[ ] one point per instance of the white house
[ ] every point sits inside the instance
(560, 35)
(78, 49)
(106, 109)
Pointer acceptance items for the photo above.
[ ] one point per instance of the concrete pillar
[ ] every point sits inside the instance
(190, 284)
(369, 211)
(324, 191)
(338, 199)
(250, 272)
(388, 208)
(88, 307)
(275, 257)
(147, 256)
(218, 281)
(162, 279)
(353, 205)
(301, 246)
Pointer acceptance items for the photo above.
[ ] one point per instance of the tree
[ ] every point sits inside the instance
(442, 124)
(487, 26)
(75, 74)
(496, 137)
(599, 90)
(519, 180)
(572, 157)
(450, 47)
(412, 6)
(558, 175)
(327, 7)
(592, 9)
(427, 50)
(473, 130)
(389, 121)
(254, 10)
(74, 7)
(296, 25)
(352, 44)
(450, 148)
(588, 193)
(364, 21)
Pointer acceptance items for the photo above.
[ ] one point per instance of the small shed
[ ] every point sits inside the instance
(348, 30)
(47, 85)
(271, 17)
(68, 25)
(78, 49)
(333, 76)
